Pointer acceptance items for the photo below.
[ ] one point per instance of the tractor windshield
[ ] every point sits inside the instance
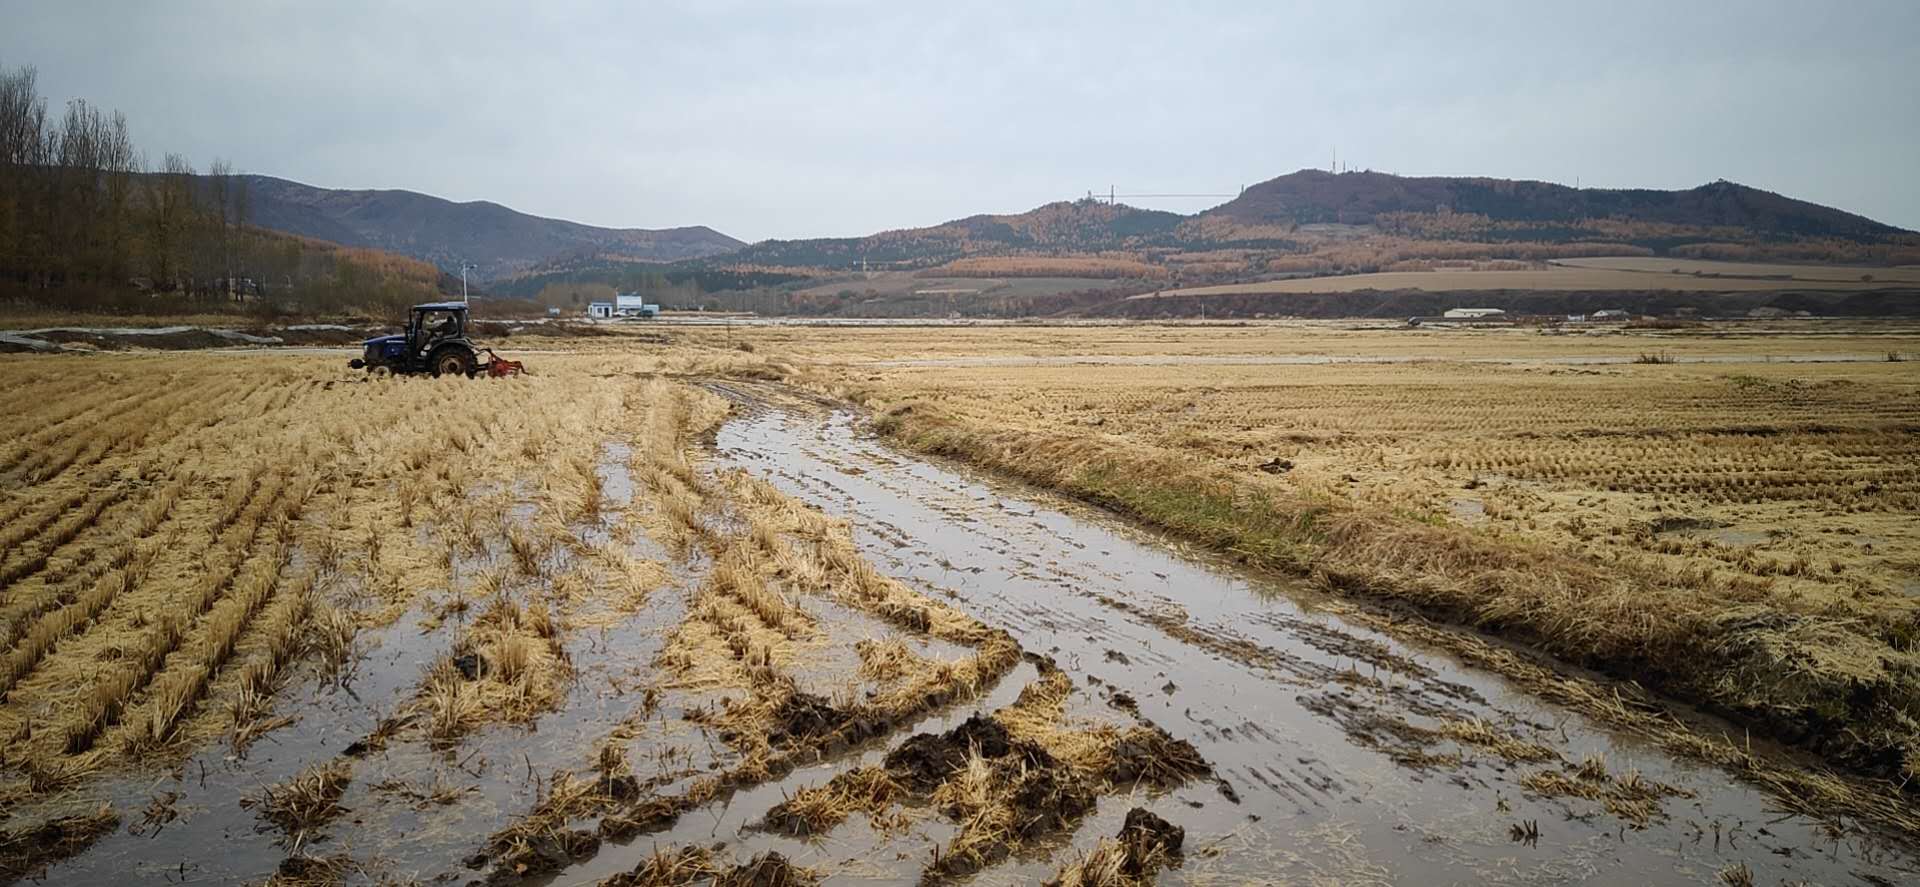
(432, 325)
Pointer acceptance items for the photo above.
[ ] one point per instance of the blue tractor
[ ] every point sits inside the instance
(434, 342)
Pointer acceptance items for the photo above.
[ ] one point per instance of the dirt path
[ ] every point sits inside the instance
(1351, 755)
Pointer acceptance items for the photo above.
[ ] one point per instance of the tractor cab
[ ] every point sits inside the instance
(435, 341)
(433, 323)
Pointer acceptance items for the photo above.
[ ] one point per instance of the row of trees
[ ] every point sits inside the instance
(85, 224)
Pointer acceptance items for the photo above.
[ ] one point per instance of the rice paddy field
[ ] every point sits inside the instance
(1600, 273)
(1078, 605)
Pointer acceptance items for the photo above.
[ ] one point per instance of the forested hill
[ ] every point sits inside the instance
(500, 241)
(1271, 215)
(1373, 198)
(1068, 227)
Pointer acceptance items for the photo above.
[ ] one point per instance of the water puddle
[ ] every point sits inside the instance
(1320, 731)
(1306, 717)
(413, 809)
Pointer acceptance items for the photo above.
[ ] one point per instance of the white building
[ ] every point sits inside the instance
(600, 309)
(1473, 313)
(633, 305)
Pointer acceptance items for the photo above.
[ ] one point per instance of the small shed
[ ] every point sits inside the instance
(600, 309)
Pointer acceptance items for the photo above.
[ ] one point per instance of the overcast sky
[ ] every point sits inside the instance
(797, 120)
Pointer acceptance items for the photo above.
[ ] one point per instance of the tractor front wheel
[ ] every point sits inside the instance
(452, 362)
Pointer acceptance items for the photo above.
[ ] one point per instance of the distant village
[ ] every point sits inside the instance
(1499, 316)
(623, 305)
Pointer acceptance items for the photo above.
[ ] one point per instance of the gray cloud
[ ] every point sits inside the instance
(794, 120)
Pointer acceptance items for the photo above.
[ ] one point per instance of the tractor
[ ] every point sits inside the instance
(435, 342)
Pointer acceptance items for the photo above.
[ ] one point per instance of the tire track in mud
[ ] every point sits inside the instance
(1320, 727)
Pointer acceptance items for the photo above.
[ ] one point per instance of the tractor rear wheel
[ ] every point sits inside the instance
(452, 362)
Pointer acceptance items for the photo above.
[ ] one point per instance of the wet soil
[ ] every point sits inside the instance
(412, 808)
(1339, 748)
(1330, 751)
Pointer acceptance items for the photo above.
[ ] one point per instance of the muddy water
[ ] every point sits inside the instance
(1295, 709)
(392, 833)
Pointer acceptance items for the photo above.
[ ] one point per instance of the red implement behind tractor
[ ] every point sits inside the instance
(498, 367)
(435, 341)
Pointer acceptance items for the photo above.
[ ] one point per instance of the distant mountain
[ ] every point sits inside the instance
(1270, 216)
(499, 240)
(1304, 223)
(1065, 226)
(1364, 198)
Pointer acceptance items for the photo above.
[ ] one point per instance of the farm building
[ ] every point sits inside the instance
(633, 305)
(1474, 313)
(1611, 314)
(599, 309)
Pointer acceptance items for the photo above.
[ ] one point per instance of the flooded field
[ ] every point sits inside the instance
(1344, 754)
(701, 627)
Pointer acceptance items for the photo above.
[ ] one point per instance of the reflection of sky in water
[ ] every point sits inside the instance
(1336, 806)
(1317, 801)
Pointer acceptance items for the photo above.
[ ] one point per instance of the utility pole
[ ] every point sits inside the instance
(463, 280)
(1110, 190)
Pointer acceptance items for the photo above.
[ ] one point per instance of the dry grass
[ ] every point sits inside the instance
(1146, 844)
(26, 852)
(164, 584)
(1480, 734)
(1029, 773)
(1551, 277)
(1037, 352)
(816, 810)
(738, 658)
(667, 868)
(1557, 507)
(306, 802)
(885, 660)
(1629, 795)
(689, 865)
(184, 535)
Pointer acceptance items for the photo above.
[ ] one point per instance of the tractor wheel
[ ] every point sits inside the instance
(452, 362)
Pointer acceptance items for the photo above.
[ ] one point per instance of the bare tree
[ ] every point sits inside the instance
(23, 155)
(80, 216)
(218, 174)
(170, 211)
